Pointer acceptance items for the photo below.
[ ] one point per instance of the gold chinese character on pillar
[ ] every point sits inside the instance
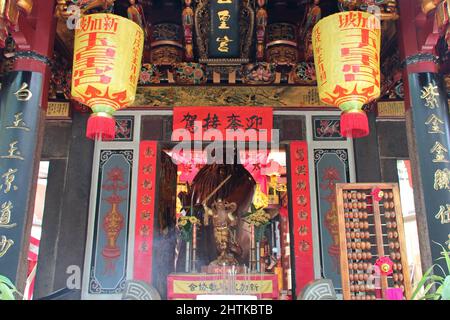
(5, 244)
(5, 215)
(18, 122)
(8, 178)
(442, 179)
(439, 152)
(444, 214)
(13, 152)
(434, 123)
(430, 94)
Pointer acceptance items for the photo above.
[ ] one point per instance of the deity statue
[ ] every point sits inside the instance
(225, 221)
(136, 13)
(313, 16)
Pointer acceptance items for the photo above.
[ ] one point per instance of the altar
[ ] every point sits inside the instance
(189, 286)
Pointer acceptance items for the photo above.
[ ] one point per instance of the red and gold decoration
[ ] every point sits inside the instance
(261, 24)
(301, 223)
(347, 58)
(188, 26)
(372, 241)
(9, 16)
(198, 120)
(145, 210)
(385, 264)
(377, 194)
(113, 221)
(330, 177)
(106, 68)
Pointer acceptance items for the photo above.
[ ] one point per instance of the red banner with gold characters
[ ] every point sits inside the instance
(301, 222)
(255, 124)
(145, 209)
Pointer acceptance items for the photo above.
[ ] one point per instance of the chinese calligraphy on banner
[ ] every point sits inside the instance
(301, 215)
(264, 286)
(145, 208)
(19, 117)
(224, 39)
(432, 129)
(197, 120)
(347, 66)
(106, 66)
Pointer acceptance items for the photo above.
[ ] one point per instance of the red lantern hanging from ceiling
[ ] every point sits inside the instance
(107, 61)
(347, 58)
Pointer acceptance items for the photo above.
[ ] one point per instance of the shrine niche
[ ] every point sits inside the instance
(228, 50)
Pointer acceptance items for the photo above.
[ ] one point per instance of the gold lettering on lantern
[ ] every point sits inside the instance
(5, 244)
(224, 1)
(439, 152)
(435, 124)
(444, 214)
(224, 16)
(9, 178)
(442, 179)
(223, 43)
(430, 94)
(13, 152)
(18, 122)
(5, 215)
(23, 94)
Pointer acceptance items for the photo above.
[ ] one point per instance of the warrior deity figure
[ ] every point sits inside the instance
(224, 220)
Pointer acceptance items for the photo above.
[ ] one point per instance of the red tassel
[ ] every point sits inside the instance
(101, 127)
(354, 124)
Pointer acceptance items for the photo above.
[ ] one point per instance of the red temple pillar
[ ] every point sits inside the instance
(428, 127)
(22, 121)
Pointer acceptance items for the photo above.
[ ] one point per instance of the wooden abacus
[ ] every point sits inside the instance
(370, 228)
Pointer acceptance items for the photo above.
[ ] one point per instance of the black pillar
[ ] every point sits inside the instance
(20, 116)
(431, 133)
(65, 220)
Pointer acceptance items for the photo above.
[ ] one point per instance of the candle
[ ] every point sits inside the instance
(187, 257)
(194, 247)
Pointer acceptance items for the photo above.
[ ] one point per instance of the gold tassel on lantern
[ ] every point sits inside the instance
(106, 66)
(347, 59)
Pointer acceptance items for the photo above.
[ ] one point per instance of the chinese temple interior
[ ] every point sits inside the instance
(347, 204)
